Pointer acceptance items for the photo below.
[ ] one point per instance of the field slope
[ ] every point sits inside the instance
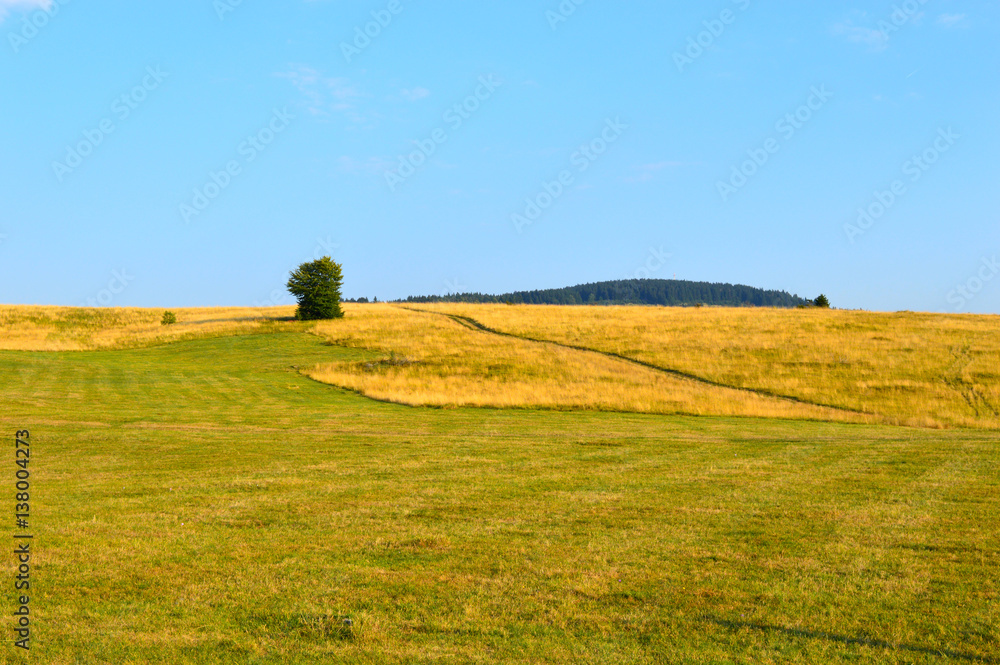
(432, 360)
(202, 500)
(913, 369)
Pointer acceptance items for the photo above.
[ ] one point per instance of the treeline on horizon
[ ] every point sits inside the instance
(664, 292)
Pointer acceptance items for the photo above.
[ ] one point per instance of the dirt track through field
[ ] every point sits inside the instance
(472, 324)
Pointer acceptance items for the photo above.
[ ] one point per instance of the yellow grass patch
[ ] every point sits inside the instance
(911, 368)
(34, 328)
(428, 359)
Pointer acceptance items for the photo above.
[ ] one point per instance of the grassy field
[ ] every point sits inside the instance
(24, 328)
(919, 370)
(425, 359)
(204, 501)
(925, 370)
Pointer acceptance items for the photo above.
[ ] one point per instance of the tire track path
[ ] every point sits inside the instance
(473, 324)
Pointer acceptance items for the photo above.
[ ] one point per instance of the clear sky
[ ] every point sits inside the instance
(193, 152)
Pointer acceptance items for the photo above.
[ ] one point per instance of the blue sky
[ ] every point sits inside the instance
(194, 152)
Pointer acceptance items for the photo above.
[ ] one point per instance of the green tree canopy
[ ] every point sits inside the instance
(822, 301)
(316, 285)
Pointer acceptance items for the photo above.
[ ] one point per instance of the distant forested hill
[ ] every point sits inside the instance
(668, 292)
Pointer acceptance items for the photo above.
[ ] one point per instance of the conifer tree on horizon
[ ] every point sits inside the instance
(316, 285)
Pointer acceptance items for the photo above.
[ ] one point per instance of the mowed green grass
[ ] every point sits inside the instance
(202, 502)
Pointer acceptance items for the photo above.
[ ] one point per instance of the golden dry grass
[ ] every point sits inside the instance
(429, 359)
(40, 328)
(911, 368)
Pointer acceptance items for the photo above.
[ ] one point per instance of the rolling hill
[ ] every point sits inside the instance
(664, 292)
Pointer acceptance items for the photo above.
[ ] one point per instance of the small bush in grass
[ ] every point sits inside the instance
(169, 318)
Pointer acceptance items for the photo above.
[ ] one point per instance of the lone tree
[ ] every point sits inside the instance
(316, 285)
(822, 301)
